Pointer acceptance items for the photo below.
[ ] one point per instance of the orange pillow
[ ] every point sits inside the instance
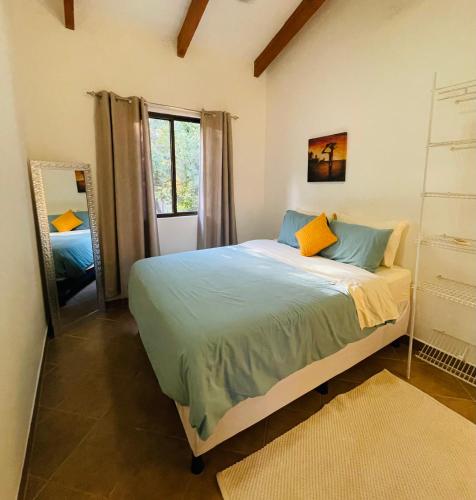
(66, 222)
(315, 236)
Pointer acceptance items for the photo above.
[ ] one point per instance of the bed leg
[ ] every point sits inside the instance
(396, 343)
(197, 465)
(323, 388)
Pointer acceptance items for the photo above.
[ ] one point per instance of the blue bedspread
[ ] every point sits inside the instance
(72, 253)
(226, 324)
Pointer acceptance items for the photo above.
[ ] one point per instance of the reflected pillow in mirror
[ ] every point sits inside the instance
(66, 222)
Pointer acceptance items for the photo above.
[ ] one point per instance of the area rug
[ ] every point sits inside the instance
(383, 440)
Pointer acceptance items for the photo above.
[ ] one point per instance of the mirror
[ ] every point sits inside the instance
(66, 220)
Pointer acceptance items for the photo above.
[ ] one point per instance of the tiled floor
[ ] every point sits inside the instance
(82, 304)
(105, 430)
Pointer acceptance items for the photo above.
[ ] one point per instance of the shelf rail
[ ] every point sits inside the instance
(461, 196)
(444, 353)
(448, 242)
(451, 290)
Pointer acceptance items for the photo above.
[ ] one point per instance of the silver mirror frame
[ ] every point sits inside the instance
(36, 169)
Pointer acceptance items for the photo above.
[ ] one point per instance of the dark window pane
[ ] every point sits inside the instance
(161, 164)
(187, 164)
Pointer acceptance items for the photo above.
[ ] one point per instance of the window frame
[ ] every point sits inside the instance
(171, 119)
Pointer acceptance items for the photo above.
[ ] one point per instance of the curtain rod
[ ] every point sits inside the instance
(96, 94)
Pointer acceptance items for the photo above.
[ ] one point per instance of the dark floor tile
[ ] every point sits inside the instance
(118, 313)
(390, 352)
(309, 403)
(33, 486)
(464, 407)
(205, 486)
(135, 446)
(336, 387)
(282, 421)
(247, 441)
(371, 366)
(104, 328)
(56, 435)
(399, 352)
(88, 394)
(47, 368)
(162, 472)
(140, 403)
(470, 389)
(436, 382)
(129, 463)
(121, 356)
(55, 491)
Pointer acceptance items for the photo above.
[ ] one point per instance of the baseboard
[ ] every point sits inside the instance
(34, 411)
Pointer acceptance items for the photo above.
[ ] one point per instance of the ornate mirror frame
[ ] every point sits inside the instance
(37, 168)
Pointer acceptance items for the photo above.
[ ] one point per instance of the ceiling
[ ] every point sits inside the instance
(242, 28)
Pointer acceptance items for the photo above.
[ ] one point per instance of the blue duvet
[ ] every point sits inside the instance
(72, 253)
(226, 324)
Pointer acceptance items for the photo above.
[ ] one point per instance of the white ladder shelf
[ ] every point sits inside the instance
(444, 350)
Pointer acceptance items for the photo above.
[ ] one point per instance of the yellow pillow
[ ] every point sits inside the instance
(315, 236)
(66, 222)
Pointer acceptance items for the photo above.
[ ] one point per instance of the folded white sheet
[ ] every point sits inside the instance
(371, 294)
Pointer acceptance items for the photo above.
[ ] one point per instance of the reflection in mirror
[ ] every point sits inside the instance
(66, 219)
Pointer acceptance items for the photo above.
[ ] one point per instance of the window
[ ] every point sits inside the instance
(175, 148)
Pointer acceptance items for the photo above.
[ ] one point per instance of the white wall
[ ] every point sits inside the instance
(177, 234)
(54, 67)
(61, 192)
(365, 67)
(22, 323)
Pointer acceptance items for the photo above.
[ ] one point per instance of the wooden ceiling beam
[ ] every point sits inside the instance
(69, 14)
(190, 24)
(304, 11)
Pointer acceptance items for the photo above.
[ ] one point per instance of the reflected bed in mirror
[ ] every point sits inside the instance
(66, 220)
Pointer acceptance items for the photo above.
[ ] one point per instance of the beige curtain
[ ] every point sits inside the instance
(126, 208)
(216, 212)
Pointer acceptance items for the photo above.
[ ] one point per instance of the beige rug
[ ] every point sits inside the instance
(383, 440)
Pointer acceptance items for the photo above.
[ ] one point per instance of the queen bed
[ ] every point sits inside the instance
(233, 334)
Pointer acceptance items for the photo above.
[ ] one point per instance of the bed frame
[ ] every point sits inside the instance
(252, 410)
(69, 287)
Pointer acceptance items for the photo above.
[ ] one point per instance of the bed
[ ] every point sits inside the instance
(233, 334)
(74, 261)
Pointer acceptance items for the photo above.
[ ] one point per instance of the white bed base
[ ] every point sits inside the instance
(252, 410)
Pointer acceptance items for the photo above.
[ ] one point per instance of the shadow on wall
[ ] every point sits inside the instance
(55, 8)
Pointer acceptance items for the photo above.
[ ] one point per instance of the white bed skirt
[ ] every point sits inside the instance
(252, 410)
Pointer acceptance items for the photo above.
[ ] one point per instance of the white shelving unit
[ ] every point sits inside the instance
(443, 348)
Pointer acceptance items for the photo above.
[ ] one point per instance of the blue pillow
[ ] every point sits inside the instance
(292, 222)
(84, 216)
(361, 246)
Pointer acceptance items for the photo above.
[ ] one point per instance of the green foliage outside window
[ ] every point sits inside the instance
(187, 164)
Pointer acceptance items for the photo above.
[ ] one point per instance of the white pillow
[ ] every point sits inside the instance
(307, 211)
(394, 240)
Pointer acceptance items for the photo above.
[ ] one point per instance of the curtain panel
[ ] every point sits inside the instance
(127, 219)
(216, 212)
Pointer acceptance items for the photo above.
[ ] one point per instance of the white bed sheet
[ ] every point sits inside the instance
(371, 293)
(63, 234)
(399, 281)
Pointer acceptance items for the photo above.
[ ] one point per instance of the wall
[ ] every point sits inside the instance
(367, 68)
(61, 192)
(54, 67)
(22, 322)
